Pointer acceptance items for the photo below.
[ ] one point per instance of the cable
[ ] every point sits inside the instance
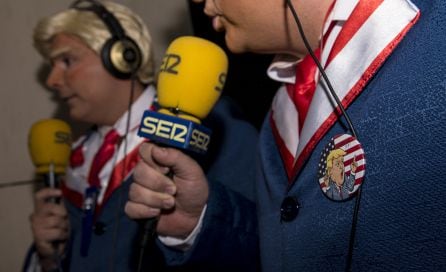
(350, 125)
(120, 197)
(351, 241)
(321, 69)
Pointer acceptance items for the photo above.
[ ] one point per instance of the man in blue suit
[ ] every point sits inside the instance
(385, 63)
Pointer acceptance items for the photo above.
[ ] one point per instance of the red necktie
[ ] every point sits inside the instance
(77, 157)
(303, 90)
(103, 155)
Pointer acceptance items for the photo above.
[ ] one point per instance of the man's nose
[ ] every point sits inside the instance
(55, 78)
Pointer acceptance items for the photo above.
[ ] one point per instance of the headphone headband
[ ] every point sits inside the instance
(106, 16)
(120, 55)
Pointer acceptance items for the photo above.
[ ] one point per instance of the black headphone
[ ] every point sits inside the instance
(120, 54)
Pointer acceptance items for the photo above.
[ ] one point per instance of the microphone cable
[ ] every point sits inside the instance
(125, 142)
(349, 123)
(148, 233)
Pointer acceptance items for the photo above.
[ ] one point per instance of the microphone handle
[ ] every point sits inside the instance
(149, 230)
(149, 233)
(148, 238)
(52, 181)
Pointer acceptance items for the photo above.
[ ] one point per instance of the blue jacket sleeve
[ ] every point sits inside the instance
(228, 240)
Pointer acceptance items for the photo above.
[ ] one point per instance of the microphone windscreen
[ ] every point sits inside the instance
(192, 77)
(49, 142)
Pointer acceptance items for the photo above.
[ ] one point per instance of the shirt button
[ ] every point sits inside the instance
(99, 228)
(289, 209)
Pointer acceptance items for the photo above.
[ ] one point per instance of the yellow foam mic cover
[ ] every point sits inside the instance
(192, 77)
(49, 142)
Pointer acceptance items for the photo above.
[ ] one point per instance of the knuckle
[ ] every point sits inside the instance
(132, 192)
(135, 192)
(137, 172)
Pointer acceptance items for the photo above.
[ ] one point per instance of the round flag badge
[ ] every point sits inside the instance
(341, 167)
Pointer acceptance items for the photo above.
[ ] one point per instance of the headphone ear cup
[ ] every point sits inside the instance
(121, 57)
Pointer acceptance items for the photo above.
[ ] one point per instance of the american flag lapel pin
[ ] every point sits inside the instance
(341, 167)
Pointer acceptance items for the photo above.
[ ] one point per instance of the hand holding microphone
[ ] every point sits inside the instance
(190, 82)
(49, 146)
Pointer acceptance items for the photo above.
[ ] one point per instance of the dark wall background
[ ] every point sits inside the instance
(247, 82)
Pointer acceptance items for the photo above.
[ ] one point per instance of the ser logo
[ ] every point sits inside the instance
(200, 140)
(164, 129)
(221, 82)
(62, 137)
(170, 63)
(175, 133)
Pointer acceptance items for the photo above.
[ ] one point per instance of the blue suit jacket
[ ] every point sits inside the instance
(115, 244)
(400, 118)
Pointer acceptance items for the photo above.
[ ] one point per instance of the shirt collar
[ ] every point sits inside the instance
(283, 67)
(342, 10)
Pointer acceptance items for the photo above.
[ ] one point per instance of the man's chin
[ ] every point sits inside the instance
(233, 45)
(77, 116)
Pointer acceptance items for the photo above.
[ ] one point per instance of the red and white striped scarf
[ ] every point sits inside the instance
(363, 33)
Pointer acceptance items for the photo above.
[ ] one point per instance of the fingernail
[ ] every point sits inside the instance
(168, 203)
(171, 190)
(162, 149)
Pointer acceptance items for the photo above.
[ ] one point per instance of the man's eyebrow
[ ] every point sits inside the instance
(59, 51)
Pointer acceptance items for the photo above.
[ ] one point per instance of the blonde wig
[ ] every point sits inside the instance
(94, 33)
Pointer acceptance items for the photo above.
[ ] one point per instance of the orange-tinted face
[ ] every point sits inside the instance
(266, 26)
(337, 171)
(247, 24)
(79, 77)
